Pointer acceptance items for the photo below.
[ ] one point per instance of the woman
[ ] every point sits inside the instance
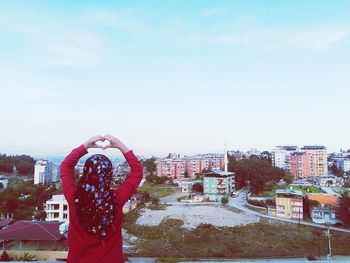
(95, 210)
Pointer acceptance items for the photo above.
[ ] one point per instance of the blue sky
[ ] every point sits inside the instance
(174, 76)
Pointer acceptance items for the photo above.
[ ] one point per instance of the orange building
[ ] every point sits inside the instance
(300, 165)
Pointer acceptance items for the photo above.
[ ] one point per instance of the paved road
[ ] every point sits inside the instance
(329, 190)
(172, 198)
(240, 204)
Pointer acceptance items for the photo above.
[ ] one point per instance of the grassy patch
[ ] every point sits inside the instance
(307, 189)
(269, 239)
(157, 207)
(157, 190)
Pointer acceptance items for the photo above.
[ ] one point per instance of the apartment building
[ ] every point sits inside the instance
(281, 156)
(300, 165)
(289, 204)
(318, 160)
(343, 163)
(217, 184)
(175, 167)
(56, 209)
(46, 172)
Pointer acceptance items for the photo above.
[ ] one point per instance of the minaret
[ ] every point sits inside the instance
(225, 157)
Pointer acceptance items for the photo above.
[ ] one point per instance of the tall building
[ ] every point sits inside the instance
(57, 209)
(217, 183)
(318, 160)
(281, 156)
(46, 172)
(289, 204)
(300, 165)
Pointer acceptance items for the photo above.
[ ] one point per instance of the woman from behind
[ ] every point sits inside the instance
(95, 209)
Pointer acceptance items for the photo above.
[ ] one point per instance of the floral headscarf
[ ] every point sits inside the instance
(95, 202)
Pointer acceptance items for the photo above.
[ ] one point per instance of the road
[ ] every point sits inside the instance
(240, 203)
(173, 197)
(329, 190)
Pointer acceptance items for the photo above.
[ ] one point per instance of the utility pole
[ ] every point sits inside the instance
(328, 234)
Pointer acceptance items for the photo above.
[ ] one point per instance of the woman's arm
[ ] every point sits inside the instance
(68, 164)
(129, 187)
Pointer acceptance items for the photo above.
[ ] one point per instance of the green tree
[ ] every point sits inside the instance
(288, 178)
(155, 200)
(224, 200)
(160, 179)
(150, 164)
(336, 171)
(5, 164)
(25, 167)
(344, 208)
(150, 178)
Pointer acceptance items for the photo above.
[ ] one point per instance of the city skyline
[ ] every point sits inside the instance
(174, 76)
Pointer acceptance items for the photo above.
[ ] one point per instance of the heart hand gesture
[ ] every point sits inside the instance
(113, 143)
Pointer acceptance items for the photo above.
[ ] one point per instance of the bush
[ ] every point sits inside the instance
(26, 257)
(5, 256)
(224, 200)
(155, 200)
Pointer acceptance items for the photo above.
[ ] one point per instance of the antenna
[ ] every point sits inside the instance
(225, 155)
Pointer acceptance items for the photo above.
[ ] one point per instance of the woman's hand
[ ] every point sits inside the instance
(115, 143)
(91, 143)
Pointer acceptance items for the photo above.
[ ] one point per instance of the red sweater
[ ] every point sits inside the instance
(82, 246)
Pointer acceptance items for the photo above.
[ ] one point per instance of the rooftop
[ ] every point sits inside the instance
(289, 192)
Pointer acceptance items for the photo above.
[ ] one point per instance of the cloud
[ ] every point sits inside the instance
(212, 11)
(316, 40)
(127, 20)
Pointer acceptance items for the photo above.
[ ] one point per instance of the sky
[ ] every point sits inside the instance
(174, 76)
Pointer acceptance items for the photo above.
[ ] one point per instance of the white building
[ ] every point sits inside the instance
(46, 172)
(332, 181)
(281, 156)
(57, 209)
(4, 182)
(40, 170)
(324, 215)
(344, 164)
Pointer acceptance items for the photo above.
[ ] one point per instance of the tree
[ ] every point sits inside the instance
(329, 183)
(197, 187)
(150, 164)
(5, 256)
(1, 185)
(161, 179)
(155, 200)
(344, 208)
(150, 178)
(336, 171)
(5, 165)
(186, 174)
(347, 183)
(24, 167)
(224, 200)
(288, 178)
